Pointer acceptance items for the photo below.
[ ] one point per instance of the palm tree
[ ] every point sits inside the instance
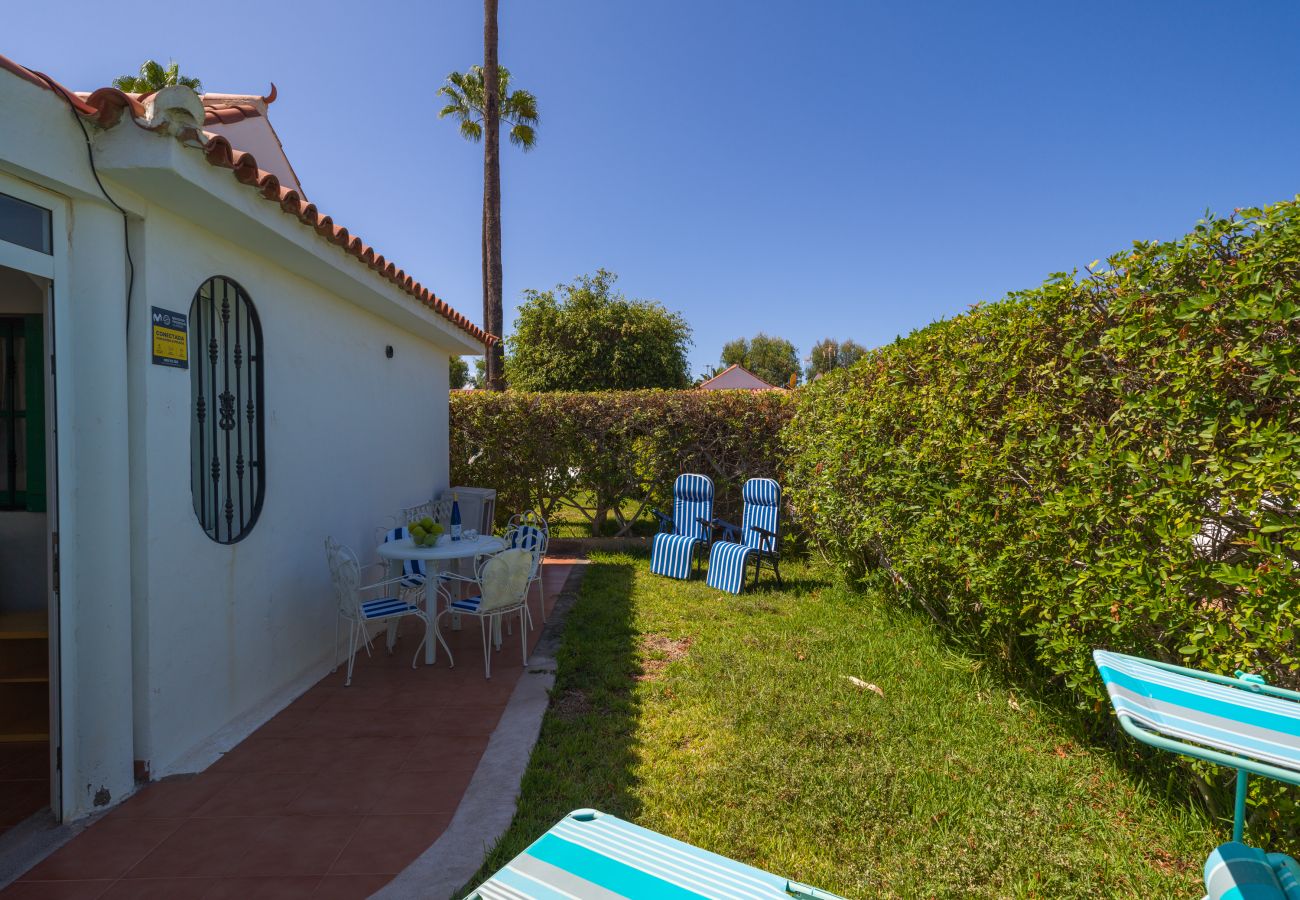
(153, 77)
(480, 100)
(464, 93)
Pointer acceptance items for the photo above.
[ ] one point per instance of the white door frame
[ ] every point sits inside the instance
(55, 268)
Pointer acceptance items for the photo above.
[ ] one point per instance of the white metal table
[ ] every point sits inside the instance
(446, 550)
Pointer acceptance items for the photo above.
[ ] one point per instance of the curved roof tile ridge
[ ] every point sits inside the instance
(106, 106)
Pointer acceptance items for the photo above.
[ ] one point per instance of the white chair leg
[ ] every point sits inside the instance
(352, 650)
(484, 626)
(523, 633)
(336, 643)
(415, 659)
(541, 592)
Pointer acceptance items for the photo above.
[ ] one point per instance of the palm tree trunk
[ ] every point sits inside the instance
(492, 313)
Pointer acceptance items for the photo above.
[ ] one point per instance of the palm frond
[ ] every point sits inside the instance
(521, 106)
(523, 136)
(471, 130)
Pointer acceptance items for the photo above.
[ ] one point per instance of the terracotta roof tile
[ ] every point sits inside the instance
(106, 107)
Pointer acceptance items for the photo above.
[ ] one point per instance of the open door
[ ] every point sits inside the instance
(30, 776)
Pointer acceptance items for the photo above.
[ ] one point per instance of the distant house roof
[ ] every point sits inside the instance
(107, 106)
(736, 378)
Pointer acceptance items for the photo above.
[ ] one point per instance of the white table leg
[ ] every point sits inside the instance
(430, 615)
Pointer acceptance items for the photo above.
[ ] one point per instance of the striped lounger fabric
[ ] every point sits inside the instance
(673, 553)
(593, 856)
(1232, 722)
(728, 560)
(1237, 872)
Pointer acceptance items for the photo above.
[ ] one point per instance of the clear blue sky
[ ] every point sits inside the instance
(850, 168)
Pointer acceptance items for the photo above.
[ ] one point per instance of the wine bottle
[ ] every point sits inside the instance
(455, 518)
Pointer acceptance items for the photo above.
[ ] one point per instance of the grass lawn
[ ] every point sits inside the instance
(729, 722)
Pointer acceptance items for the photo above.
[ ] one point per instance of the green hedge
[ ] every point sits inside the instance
(617, 448)
(1107, 461)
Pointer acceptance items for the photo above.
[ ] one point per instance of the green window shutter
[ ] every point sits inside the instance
(33, 331)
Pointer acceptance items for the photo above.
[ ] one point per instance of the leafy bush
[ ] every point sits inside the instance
(586, 336)
(1107, 461)
(541, 450)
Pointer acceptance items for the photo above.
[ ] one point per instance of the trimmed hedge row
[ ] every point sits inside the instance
(542, 449)
(1107, 461)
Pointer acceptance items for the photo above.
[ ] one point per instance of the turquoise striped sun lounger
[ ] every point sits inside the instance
(590, 855)
(1239, 722)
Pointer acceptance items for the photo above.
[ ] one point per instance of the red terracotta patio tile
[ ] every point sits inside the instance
(56, 890)
(388, 844)
(172, 798)
(159, 889)
(255, 794)
(281, 845)
(104, 850)
(281, 888)
(349, 887)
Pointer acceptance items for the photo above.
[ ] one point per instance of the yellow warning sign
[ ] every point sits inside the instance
(170, 339)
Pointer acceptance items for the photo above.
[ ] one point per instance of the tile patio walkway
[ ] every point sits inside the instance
(329, 799)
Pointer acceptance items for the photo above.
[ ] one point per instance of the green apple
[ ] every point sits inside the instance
(427, 523)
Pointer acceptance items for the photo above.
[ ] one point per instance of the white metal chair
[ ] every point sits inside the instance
(529, 531)
(438, 510)
(345, 573)
(502, 582)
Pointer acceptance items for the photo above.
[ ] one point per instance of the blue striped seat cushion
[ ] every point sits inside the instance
(762, 498)
(692, 501)
(386, 606)
(589, 854)
(468, 604)
(727, 563)
(1235, 720)
(413, 571)
(672, 554)
(1237, 872)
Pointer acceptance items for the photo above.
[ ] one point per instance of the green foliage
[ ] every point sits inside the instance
(772, 359)
(623, 449)
(464, 93)
(153, 77)
(1108, 461)
(590, 338)
(829, 354)
(459, 372)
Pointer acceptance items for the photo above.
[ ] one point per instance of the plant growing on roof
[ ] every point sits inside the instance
(153, 77)
(480, 100)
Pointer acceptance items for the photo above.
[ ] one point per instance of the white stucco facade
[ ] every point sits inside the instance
(166, 637)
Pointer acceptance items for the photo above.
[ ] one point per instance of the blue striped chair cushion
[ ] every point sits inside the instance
(589, 854)
(413, 571)
(467, 604)
(762, 498)
(386, 606)
(1230, 719)
(1237, 872)
(672, 554)
(727, 563)
(692, 501)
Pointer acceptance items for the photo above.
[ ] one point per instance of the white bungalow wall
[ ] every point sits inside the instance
(165, 637)
(351, 438)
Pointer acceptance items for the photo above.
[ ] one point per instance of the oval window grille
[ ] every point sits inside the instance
(227, 465)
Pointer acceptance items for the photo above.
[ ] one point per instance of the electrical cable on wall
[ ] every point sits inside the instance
(90, 155)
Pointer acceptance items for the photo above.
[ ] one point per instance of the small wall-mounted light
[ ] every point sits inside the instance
(388, 351)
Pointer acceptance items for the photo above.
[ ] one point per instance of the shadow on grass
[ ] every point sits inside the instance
(585, 753)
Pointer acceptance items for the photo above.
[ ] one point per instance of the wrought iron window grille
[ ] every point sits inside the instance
(227, 434)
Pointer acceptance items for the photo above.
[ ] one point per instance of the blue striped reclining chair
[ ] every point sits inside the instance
(589, 855)
(686, 532)
(1238, 722)
(756, 540)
